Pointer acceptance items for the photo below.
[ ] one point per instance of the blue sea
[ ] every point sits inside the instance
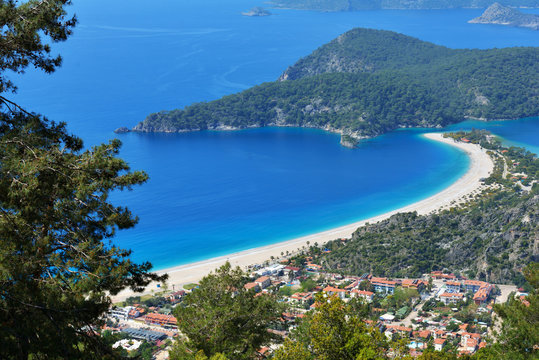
(213, 193)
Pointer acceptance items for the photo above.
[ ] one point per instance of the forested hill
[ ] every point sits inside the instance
(367, 82)
(491, 237)
(353, 5)
(368, 50)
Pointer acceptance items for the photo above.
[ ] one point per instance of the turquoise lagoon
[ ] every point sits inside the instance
(213, 193)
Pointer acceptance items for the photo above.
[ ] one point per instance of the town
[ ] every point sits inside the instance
(441, 310)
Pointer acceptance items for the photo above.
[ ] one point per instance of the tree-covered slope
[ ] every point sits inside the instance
(490, 241)
(490, 238)
(367, 82)
(353, 5)
(367, 50)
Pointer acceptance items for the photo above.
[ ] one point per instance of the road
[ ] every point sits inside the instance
(437, 284)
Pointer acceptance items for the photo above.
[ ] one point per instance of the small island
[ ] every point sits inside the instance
(349, 141)
(503, 15)
(121, 130)
(257, 11)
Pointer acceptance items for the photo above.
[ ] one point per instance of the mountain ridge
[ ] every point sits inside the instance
(358, 5)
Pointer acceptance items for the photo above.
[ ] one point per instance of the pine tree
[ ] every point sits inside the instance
(57, 263)
(221, 317)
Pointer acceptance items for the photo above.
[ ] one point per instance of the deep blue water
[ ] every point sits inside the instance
(213, 193)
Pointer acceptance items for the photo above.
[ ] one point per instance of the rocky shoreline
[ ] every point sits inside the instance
(351, 139)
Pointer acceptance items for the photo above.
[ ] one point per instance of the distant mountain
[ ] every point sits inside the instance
(503, 15)
(368, 82)
(370, 51)
(256, 11)
(353, 5)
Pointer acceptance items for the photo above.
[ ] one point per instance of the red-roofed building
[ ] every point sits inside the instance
(439, 344)
(482, 295)
(474, 285)
(439, 333)
(352, 285)
(453, 286)
(330, 290)
(450, 298)
(383, 285)
(470, 345)
(176, 296)
(313, 267)
(292, 316)
(441, 275)
(133, 313)
(367, 295)
(160, 319)
(263, 282)
(263, 352)
(403, 330)
(416, 284)
(252, 285)
(302, 298)
(292, 268)
(424, 334)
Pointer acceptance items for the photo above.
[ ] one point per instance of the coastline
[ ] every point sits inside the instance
(481, 165)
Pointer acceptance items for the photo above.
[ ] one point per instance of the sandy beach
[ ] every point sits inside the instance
(481, 166)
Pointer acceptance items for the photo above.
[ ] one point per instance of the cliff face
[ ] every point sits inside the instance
(502, 15)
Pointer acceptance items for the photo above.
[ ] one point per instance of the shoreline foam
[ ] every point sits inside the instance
(481, 165)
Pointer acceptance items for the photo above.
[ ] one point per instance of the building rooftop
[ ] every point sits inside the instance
(144, 334)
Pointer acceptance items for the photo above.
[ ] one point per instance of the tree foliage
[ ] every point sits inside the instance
(27, 29)
(519, 334)
(221, 316)
(57, 264)
(334, 332)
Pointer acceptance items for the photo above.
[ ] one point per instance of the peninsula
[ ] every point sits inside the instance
(503, 15)
(368, 82)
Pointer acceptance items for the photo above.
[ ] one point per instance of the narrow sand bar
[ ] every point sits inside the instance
(481, 165)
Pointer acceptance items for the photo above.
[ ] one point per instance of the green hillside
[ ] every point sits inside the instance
(491, 237)
(367, 82)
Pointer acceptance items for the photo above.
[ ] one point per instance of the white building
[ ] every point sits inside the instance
(119, 312)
